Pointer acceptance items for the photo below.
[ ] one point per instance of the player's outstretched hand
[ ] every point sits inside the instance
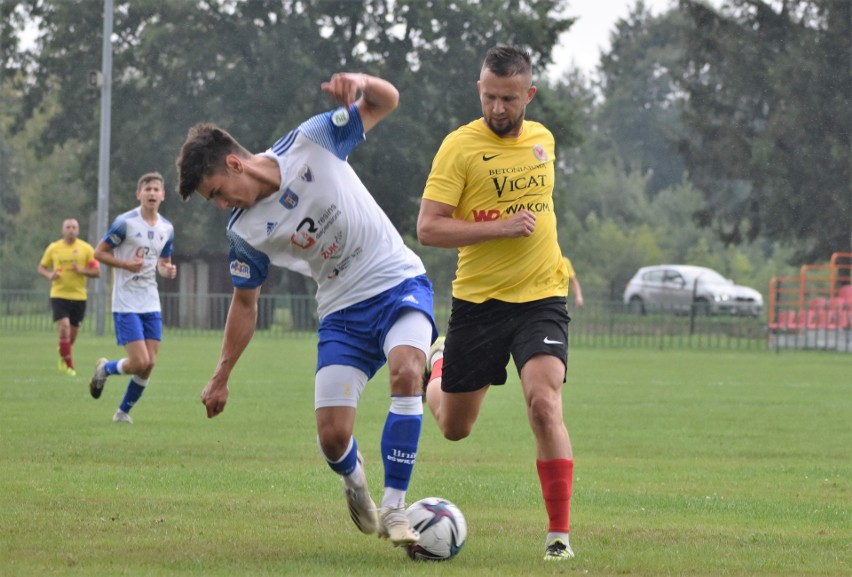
(344, 87)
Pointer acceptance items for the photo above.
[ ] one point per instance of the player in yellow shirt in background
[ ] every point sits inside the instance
(68, 263)
(490, 195)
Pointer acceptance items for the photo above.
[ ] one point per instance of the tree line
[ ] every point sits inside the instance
(713, 136)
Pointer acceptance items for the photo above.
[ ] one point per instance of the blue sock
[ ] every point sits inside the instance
(399, 440)
(111, 368)
(346, 464)
(134, 391)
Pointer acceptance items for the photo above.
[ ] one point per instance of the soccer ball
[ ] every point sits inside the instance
(442, 528)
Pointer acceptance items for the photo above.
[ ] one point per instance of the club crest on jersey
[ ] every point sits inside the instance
(289, 199)
(305, 174)
(240, 269)
(340, 117)
(539, 152)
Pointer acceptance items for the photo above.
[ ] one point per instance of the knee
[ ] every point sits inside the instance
(544, 413)
(137, 366)
(333, 442)
(407, 379)
(455, 431)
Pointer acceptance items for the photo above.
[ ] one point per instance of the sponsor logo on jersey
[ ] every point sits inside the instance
(150, 235)
(340, 117)
(485, 215)
(487, 157)
(345, 263)
(331, 251)
(305, 174)
(303, 237)
(146, 252)
(289, 199)
(520, 184)
(530, 206)
(240, 269)
(270, 226)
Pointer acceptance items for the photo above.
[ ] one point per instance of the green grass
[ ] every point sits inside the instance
(687, 463)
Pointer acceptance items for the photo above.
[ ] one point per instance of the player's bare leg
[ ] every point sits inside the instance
(334, 435)
(541, 379)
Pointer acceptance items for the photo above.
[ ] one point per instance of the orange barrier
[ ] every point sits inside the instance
(819, 298)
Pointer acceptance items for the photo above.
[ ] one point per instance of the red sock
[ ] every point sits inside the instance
(557, 477)
(65, 352)
(437, 370)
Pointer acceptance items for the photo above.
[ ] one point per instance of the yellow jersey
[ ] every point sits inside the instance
(59, 257)
(486, 177)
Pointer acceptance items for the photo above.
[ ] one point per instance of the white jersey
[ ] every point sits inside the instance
(130, 237)
(322, 222)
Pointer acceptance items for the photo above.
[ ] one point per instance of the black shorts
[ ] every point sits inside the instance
(74, 311)
(481, 337)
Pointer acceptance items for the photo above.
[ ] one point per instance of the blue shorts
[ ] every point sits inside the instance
(354, 336)
(131, 327)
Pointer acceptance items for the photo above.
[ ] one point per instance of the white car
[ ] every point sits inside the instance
(681, 289)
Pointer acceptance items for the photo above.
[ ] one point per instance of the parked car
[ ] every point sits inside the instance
(678, 288)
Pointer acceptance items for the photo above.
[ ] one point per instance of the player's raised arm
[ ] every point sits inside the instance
(378, 97)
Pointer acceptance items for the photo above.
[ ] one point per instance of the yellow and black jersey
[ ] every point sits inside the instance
(60, 256)
(486, 177)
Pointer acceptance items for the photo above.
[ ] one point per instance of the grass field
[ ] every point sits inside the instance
(687, 463)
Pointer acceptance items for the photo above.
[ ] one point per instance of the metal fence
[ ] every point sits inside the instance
(597, 324)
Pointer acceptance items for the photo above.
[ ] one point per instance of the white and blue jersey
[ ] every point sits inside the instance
(322, 222)
(130, 237)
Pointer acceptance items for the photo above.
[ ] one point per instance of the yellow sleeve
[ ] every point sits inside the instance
(448, 175)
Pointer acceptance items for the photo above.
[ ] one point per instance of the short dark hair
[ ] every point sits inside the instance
(148, 177)
(203, 154)
(505, 60)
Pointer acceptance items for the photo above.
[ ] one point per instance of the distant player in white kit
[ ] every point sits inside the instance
(300, 206)
(136, 246)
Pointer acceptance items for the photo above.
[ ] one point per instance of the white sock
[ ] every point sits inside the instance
(553, 535)
(393, 498)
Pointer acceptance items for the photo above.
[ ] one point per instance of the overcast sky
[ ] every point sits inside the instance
(583, 43)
